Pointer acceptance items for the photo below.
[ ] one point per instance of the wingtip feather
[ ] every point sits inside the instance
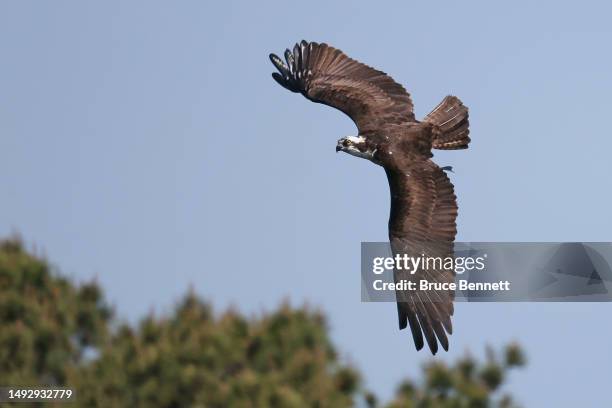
(282, 81)
(279, 64)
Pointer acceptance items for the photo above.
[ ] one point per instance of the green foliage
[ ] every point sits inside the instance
(466, 384)
(284, 359)
(57, 333)
(47, 322)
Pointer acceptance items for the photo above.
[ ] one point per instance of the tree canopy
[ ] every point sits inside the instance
(56, 332)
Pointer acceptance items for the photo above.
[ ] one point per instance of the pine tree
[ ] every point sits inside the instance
(54, 332)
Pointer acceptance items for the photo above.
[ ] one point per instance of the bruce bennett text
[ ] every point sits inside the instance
(424, 284)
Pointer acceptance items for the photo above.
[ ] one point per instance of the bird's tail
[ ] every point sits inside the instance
(451, 126)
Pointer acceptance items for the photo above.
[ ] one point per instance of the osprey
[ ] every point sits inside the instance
(423, 202)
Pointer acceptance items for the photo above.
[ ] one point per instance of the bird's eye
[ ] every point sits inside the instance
(346, 142)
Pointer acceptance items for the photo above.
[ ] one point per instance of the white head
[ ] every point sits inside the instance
(357, 146)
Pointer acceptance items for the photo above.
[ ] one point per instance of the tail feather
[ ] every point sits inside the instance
(451, 125)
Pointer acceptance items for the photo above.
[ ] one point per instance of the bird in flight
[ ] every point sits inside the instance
(423, 202)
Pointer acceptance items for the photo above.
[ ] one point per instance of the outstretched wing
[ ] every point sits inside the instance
(326, 75)
(422, 224)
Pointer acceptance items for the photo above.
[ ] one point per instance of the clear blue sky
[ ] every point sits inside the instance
(144, 143)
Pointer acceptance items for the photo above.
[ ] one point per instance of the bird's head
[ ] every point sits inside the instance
(357, 146)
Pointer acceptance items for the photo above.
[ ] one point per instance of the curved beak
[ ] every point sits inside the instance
(340, 145)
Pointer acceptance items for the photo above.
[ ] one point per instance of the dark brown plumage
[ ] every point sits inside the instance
(423, 203)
